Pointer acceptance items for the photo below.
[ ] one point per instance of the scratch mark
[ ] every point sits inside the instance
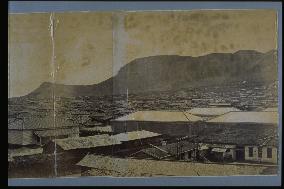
(52, 27)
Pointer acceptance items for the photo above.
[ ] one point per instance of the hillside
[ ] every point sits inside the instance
(172, 72)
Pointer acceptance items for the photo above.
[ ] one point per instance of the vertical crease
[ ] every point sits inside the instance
(52, 28)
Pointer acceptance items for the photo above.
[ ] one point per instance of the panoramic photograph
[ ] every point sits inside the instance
(143, 93)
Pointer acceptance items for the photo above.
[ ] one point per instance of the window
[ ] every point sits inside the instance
(250, 151)
(269, 152)
(260, 152)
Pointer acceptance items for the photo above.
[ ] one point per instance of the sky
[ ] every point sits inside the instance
(91, 47)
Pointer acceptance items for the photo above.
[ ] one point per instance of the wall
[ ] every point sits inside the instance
(255, 153)
(264, 155)
(274, 155)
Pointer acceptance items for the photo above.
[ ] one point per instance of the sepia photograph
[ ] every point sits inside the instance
(143, 93)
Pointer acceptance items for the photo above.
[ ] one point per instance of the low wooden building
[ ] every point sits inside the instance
(94, 165)
(39, 130)
(255, 135)
(70, 150)
(182, 150)
(267, 153)
(172, 123)
(102, 144)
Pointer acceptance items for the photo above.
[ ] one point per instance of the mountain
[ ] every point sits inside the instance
(172, 72)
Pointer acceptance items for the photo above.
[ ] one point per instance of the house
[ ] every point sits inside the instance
(265, 151)
(182, 150)
(217, 152)
(39, 130)
(133, 141)
(173, 123)
(104, 144)
(70, 150)
(255, 134)
(23, 152)
(79, 145)
(25, 162)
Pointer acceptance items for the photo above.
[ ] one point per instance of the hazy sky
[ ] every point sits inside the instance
(90, 47)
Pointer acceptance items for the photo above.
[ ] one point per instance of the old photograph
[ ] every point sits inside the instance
(143, 93)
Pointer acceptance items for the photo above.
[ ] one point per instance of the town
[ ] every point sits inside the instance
(215, 130)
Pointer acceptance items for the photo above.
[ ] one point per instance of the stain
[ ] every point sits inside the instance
(256, 28)
(90, 46)
(225, 16)
(198, 17)
(156, 32)
(203, 47)
(215, 34)
(232, 46)
(223, 48)
(195, 45)
(198, 31)
(185, 18)
(237, 25)
(216, 16)
(147, 27)
(86, 61)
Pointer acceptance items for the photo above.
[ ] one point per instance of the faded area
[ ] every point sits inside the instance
(195, 33)
(30, 52)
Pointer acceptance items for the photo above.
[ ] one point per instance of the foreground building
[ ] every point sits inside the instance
(94, 165)
(255, 134)
(164, 122)
(39, 130)
(104, 144)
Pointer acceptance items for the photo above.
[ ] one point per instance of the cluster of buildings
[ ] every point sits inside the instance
(228, 132)
(210, 124)
(217, 134)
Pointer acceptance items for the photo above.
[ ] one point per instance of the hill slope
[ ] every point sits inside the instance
(172, 72)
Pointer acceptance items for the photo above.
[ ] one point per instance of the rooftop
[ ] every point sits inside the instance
(160, 116)
(57, 132)
(137, 167)
(134, 135)
(86, 142)
(101, 140)
(105, 129)
(247, 117)
(40, 123)
(211, 111)
(23, 152)
(161, 152)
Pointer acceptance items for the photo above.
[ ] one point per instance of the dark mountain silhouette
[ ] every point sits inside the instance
(172, 72)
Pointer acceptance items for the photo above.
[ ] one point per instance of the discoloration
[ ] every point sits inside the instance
(189, 87)
(85, 41)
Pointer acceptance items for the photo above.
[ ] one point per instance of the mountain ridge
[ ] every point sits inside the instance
(171, 72)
